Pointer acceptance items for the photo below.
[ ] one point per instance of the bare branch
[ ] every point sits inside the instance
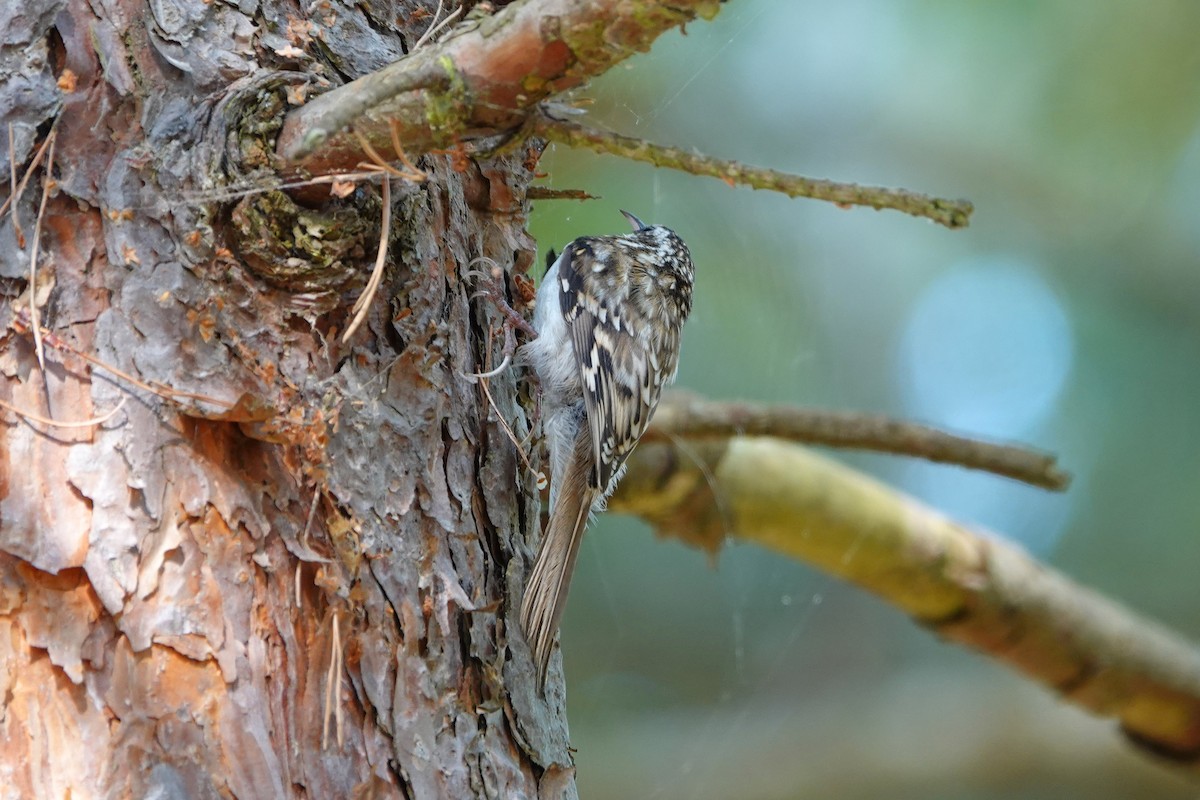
(692, 418)
(951, 213)
(484, 78)
(489, 77)
(969, 586)
(546, 193)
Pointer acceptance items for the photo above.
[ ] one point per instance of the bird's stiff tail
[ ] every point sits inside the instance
(546, 591)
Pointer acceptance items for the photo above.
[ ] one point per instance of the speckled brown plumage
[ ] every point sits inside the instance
(609, 316)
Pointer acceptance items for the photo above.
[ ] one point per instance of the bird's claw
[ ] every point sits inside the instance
(474, 377)
(490, 285)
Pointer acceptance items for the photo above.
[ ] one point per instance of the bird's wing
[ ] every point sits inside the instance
(618, 360)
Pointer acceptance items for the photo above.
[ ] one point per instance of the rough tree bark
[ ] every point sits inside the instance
(286, 565)
(272, 514)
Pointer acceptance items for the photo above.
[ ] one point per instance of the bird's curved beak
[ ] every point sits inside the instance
(637, 224)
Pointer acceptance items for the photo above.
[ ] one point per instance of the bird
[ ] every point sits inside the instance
(608, 316)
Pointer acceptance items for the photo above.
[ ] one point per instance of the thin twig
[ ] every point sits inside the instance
(331, 680)
(15, 196)
(236, 191)
(398, 149)
(12, 183)
(337, 706)
(512, 437)
(312, 515)
(436, 26)
(692, 418)
(410, 173)
(546, 193)
(428, 34)
(47, 183)
(84, 423)
(951, 213)
(413, 174)
(363, 305)
(155, 388)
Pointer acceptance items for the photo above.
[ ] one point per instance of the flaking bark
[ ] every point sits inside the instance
(168, 598)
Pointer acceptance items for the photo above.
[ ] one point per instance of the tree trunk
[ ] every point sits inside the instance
(286, 566)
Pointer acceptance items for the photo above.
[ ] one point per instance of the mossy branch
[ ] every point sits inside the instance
(490, 77)
(483, 79)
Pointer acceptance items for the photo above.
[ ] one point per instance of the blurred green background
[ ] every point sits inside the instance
(1067, 316)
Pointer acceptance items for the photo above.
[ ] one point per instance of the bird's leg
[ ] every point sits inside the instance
(491, 286)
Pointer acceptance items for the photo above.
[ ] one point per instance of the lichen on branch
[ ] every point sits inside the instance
(483, 79)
